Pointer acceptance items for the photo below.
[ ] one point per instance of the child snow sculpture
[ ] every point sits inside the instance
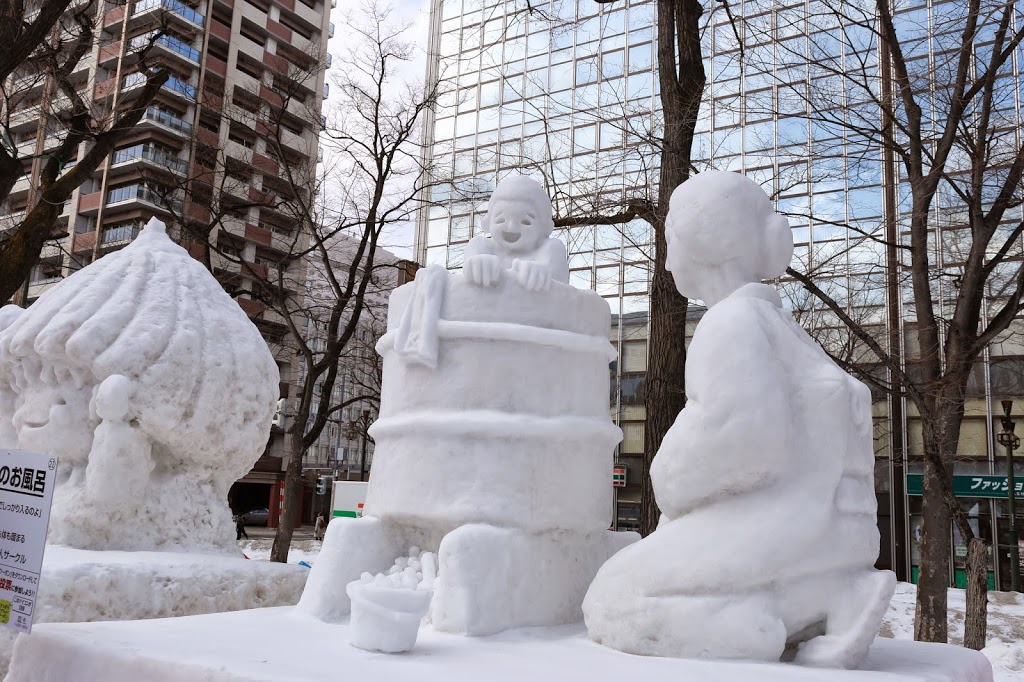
(767, 550)
(153, 389)
(493, 443)
(519, 220)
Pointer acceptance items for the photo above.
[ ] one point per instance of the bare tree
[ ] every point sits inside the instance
(944, 133)
(378, 176)
(42, 45)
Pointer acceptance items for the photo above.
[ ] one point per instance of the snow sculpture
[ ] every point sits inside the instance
(493, 444)
(765, 480)
(520, 222)
(8, 436)
(387, 608)
(153, 388)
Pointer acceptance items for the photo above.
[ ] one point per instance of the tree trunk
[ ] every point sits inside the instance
(21, 252)
(976, 624)
(933, 578)
(666, 362)
(682, 78)
(292, 501)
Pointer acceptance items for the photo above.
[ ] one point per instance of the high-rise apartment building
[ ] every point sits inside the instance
(242, 105)
(566, 92)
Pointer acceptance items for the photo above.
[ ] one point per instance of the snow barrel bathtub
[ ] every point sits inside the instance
(512, 427)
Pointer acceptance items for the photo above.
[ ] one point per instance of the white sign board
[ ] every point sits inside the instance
(26, 491)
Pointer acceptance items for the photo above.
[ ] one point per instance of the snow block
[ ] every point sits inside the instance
(80, 585)
(266, 645)
(351, 547)
(491, 579)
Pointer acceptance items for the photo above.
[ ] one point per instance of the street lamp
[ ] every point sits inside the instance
(1006, 437)
(360, 424)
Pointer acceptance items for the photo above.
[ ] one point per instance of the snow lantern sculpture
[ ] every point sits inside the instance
(493, 447)
(153, 389)
(768, 537)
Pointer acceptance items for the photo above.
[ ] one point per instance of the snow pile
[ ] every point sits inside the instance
(1005, 645)
(153, 389)
(761, 552)
(79, 585)
(414, 571)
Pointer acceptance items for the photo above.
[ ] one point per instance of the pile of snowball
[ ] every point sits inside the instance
(416, 571)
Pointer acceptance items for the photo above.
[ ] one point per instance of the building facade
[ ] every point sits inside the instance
(344, 450)
(241, 105)
(567, 92)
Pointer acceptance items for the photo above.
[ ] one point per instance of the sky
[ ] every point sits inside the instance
(417, 13)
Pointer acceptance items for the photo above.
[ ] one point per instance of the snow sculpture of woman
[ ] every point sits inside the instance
(768, 539)
(154, 390)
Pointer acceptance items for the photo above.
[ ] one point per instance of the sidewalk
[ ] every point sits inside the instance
(300, 533)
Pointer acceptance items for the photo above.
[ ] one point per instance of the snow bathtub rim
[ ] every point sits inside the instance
(514, 332)
(494, 424)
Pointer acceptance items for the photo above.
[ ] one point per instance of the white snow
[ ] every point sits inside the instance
(151, 386)
(156, 393)
(765, 480)
(493, 446)
(520, 245)
(300, 550)
(278, 644)
(78, 585)
(1005, 641)
(387, 608)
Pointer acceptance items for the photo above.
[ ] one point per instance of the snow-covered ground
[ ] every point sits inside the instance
(258, 549)
(1005, 613)
(1005, 647)
(78, 585)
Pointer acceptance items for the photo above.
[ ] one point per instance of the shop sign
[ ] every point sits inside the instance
(26, 492)
(970, 486)
(619, 476)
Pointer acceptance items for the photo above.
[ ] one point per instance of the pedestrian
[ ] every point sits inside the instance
(240, 528)
(320, 528)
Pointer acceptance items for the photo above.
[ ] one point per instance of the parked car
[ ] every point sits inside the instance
(256, 517)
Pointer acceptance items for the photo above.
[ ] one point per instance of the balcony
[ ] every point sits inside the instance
(173, 85)
(89, 204)
(147, 153)
(119, 236)
(173, 8)
(113, 18)
(109, 53)
(140, 193)
(330, 30)
(104, 89)
(166, 120)
(167, 44)
(329, 59)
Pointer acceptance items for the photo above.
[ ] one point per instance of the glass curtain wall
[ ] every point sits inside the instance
(567, 94)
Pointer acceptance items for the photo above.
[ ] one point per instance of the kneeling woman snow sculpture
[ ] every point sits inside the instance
(768, 537)
(151, 386)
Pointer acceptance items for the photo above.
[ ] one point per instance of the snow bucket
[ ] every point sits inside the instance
(386, 619)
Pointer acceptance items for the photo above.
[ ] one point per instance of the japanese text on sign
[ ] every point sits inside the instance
(26, 492)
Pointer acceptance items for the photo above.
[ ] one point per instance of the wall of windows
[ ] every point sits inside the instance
(568, 95)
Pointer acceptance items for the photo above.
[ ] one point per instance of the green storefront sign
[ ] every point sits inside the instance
(970, 486)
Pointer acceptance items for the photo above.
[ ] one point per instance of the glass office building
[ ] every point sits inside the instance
(567, 93)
